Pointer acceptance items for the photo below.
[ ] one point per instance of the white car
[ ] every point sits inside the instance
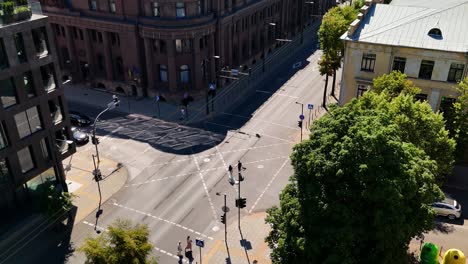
(448, 207)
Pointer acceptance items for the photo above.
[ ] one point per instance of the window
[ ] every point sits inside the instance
(115, 39)
(93, 5)
(25, 159)
(21, 51)
(112, 6)
(75, 32)
(163, 73)
(178, 45)
(48, 77)
(63, 31)
(28, 122)
(362, 88)
(446, 105)
(455, 72)
(180, 10)
(8, 92)
(44, 149)
(3, 56)
(40, 41)
(421, 97)
(4, 171)
(3, 137)
(187, 45)
(425, 72)
(29, 84)
(399, 64)
(199, 7)
(55, 112)
(100, 62)
(80, 33)
(119, 67)
(435, 33)
(99, 35)
(162, 44)
(368, 62)
(93, 35)
(156, 9)
(184, 74)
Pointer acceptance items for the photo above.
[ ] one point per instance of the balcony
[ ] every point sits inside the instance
(11, 12)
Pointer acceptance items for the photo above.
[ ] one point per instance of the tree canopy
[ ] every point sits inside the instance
(395, 83)
(123, 243)
(362, 184)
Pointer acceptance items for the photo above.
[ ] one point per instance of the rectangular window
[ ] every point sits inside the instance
(5, 175)
(21, 51)
(29, 84)
(3, 56)
(80, 33)
(425, 72)
(55, 112)
(99, 35)
(163, 73)
(8, 92)
(75, 33)
(93, 5)
(199, 7)
(112, 6)
(362, 88)
(421, 97)
(63, 31)
(368, 62)
(48, 77)
(93, 35)
(187, 45)
(455, 72)
(3, 137)
(399, 64)
(156, 9)
(100, 61)
(162, 44)
(178, 45)
(25, 159)
(28, 122)
(40, 41)
(180, 10)
(115, 39)
(44, 149)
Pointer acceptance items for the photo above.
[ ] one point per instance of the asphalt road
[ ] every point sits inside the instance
(176, 170)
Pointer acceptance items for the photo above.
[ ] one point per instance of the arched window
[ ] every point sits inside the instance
(184, 74)
(435, 33)
(163, 73)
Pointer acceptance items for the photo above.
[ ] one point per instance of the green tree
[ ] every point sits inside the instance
(326, 67)
(124, 243)
(395, 83)
(53, 201)
(363, 186)
(334, 24)
(457, 120)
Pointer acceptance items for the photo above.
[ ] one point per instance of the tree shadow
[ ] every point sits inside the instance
(443, 227)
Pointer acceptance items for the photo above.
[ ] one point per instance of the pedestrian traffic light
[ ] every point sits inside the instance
(299, 123)
(94, 140)
(223, 219)
(243, 202)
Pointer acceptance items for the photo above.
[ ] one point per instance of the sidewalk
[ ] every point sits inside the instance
(79, 178)
(254, 230)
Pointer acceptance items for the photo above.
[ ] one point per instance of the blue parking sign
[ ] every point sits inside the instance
(310, 106)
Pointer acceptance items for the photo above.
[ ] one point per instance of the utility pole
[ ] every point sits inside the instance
(301, 117)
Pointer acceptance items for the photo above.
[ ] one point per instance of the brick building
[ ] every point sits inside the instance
(34, 125)
(146, 47)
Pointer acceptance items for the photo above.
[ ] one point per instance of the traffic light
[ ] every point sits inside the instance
(94, 140)
(243, 202)
(299, 123)
(241, 178)
(223, 219)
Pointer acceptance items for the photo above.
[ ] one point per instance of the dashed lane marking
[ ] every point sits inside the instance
(206, 170)
(277, 94)
(268, 185)
(161, 219)
(157, 249)
(259, 119)
(215, 215)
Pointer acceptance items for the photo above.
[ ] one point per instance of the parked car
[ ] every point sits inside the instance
(79, 136)
(79, 119)
(448, 207)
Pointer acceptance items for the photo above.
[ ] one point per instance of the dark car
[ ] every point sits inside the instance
(79, 136)
(79, 119)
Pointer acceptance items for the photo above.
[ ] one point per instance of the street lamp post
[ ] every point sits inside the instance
(115, 102)
(266, 40)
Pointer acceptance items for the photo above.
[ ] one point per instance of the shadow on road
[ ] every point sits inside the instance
(181, 139)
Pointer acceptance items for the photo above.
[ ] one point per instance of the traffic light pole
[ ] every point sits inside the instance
(239, 207)
(225, 224)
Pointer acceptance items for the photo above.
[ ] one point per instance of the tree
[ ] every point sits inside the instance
(457, 119)
(364, 188)
(395, 83)
(334, 24)
(52, 201)
(325, 68)
(124, 243)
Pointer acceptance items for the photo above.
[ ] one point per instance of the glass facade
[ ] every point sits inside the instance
(28, 122)
(8, 92)
(25, 159)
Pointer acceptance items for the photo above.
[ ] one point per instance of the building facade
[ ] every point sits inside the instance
(426, 40)
(142, 48)
(34, 124)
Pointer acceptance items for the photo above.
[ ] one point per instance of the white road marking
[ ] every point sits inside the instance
(277, 94)
(207, 170)
(215, 215)
(268, 185)
(160, 219)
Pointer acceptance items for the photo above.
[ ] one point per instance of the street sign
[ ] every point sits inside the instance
(225, 209)
(212, 86)
(234, 72)
(200, 243)
(301, 117)
(297, 65)
(157, 98)
(310, 106)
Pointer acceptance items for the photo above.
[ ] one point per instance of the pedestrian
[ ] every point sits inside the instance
(179, 252)
(182, 113)
(239, 166)
(231, 178)
(188, 250)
